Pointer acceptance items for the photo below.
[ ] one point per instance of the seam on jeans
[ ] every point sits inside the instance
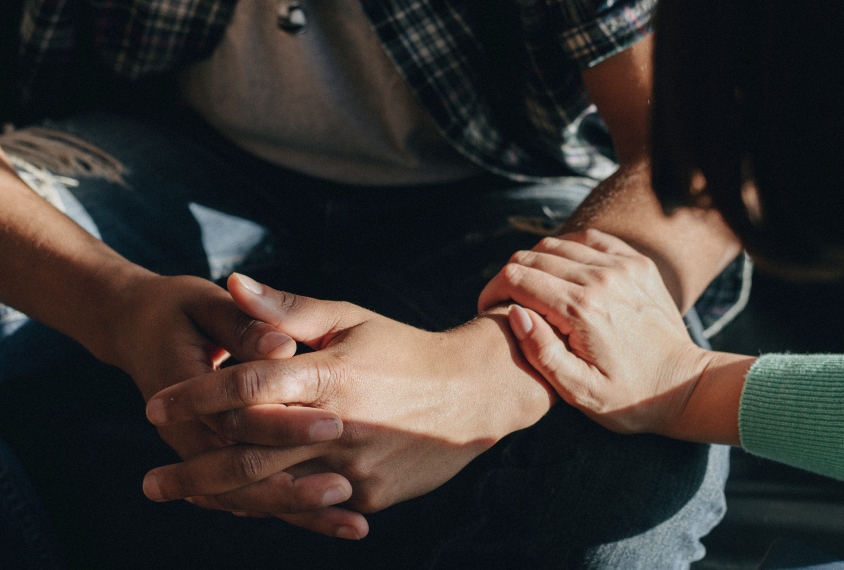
(61, 153)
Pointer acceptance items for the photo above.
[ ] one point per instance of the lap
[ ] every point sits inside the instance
(564, 490)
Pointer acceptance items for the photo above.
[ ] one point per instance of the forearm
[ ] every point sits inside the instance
(508, 390)
(690, 248)
(54, 271)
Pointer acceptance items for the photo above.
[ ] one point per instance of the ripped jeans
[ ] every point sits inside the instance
(564, 493)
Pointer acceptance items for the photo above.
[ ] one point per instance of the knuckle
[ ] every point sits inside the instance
(369, 501)
(512, 273)
(629, 267)
(645, 264)
(602, 275)
(245, 328)
(248, 464)
(591, 235)
(288, 301)
(284, 497)
(547, 356)
(547, 244)
(519, 256)
(357, 469)
(248, 385)
(583, 302)
(526, 258)
(230, 425)
(326, 377)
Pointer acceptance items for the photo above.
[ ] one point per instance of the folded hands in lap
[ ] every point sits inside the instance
(379, 412)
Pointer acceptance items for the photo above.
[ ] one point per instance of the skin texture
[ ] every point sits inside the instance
(160, 330)
(400, 391)
(167, 330)
(604, 331)
(624, 204)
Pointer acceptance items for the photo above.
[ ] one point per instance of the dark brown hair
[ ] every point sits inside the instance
(749, 94)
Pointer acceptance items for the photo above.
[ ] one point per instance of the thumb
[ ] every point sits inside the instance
(311, 321)
(545, 351)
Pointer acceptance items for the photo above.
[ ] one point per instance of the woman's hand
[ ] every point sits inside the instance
(601, 327)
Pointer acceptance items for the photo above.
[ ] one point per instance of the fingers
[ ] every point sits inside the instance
(602, 242)
(189, 439)
(276, 424)
(299, 380)
(331, 521)
(513, 282)
(226, 469)
(281, 493)
(558, 258)
(547, 294)
(311, 321)
(579, 259)
(547, 353)
(242, 336)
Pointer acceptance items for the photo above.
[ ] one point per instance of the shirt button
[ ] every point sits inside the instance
(291, 17)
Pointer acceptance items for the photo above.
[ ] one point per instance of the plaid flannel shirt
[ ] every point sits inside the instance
(501, 78)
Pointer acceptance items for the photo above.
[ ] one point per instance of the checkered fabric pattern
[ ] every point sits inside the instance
(500, 77)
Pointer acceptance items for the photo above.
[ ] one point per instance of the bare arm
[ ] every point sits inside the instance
(160, 330)
(55, 271)
(690, 247)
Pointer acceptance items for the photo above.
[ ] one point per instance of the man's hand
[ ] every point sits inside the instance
(178, 328)
(416, 406)
(160, 330)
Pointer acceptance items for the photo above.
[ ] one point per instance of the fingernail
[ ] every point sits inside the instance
(347, 532)
(190, 500)
(334, 496)
(151, 488)
(156, 413)
(271, 341)
(519, 321)
(250, 284)
(325, 430)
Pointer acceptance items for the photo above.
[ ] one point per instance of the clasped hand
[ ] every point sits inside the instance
(399, 412)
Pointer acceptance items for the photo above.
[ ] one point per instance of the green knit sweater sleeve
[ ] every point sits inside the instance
(792, 411)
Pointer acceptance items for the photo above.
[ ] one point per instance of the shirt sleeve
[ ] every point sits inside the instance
(792, 411)
(596, 30)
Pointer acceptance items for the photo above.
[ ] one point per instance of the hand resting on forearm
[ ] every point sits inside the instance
(601, 327)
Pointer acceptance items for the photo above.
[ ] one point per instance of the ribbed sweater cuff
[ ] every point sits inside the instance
(792, 410)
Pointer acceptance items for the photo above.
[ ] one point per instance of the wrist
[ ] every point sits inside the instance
(710, 414)
(504, 389)
(113, 306)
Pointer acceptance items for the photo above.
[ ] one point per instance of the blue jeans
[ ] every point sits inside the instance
(564, 493)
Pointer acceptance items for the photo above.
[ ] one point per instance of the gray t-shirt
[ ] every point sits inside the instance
(326, 102)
